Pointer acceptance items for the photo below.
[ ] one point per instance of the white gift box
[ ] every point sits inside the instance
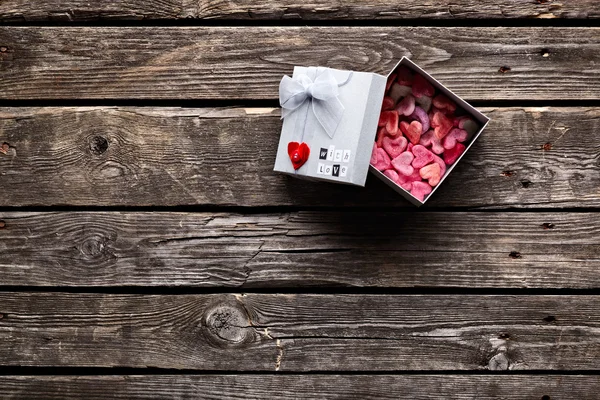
(336, 113)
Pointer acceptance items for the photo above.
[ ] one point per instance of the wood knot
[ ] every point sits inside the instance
(2, 224)
(499, 363)
(228, 325)
(98, 145)
(93, 247)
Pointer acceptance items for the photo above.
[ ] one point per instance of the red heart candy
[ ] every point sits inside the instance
(392, 123)
(406, 106)
(441, 124)
(402, 163)
(454, 136)
(405, 76)
(406, 182)
(420, 190)
(381, 133)
(422, 156)
(412, 131)
(451, 155)
(298, 153)
(388, 103)
(431, 173)
(443, 103)
(421, 87)
(380, 159)
(441, 163)
(394, 146)
(429, 139)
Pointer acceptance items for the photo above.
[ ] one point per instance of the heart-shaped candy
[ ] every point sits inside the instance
(451, 155)
(298, 153)
(443, 103)
(398, 91)
(412, 131)
(405, 76)
(421, 87)
(388, 103)
(394, 146)
(422, 156)
(380, 159)
(392, 123)
(467, 124)
(420, 115)
(410, 147)
(455, 135)
(431, 173)
(402, 163)
(441, 124)
(441, 163)
(406, 182)
(381, 133)
(393, 175)
(420, 190)
(429, 139)
(406, 106)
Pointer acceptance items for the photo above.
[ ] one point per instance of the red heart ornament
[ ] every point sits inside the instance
(298, 153)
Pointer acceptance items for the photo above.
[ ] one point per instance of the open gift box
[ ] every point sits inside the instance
(407, 128)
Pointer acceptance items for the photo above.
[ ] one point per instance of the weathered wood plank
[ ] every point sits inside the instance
(306, 249)
(248, 62)
(270, 332)
(528, 157)
(409, 387)
(81, 10)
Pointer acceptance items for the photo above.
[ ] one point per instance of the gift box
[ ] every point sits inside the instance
(406, 128)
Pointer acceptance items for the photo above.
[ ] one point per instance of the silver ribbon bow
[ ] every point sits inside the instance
(321, 95)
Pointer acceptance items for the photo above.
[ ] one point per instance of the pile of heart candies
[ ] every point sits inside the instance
(420, 134)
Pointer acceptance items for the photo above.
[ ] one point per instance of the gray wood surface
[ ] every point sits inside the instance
(546, 63)
(155, 156)
(301, 249)
(406, 387)
(293, 332)
(82, 10)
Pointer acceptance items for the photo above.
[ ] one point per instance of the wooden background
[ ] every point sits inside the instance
(147, 250)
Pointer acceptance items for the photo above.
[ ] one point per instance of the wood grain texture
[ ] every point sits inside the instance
(248, 62)
(270, 332)
(126, 156)
(365, 387)
(81, 10)
(305, 249)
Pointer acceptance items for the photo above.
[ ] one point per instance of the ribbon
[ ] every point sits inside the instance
(320, 94)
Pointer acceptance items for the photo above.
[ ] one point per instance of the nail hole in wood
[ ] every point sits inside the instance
(3, 49)
(2, 224)
(550, 318)
(548, 225)
(545, 397)
(545, 53)
(504, 69)
(507, 173)
(515, 255)
(98, 145)
(504, 335)
(547, 146)
(526, 183)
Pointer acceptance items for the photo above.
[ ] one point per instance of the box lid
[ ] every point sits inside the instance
(340, 154)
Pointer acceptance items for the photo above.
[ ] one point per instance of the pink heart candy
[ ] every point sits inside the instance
(394, 146)
(393, 175)
(420, 190)
(406, 181)
(402, 163)
(422, 156)
(374, 154)
(441, 163)
(421, 115)
(412, 131)
(405, 76)
(454, 136)
(431, 173)
(406, 106)
(451, 155)
(421, 87)
(381, 161)
(429, 139)
(443, 103)
(410, 147)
